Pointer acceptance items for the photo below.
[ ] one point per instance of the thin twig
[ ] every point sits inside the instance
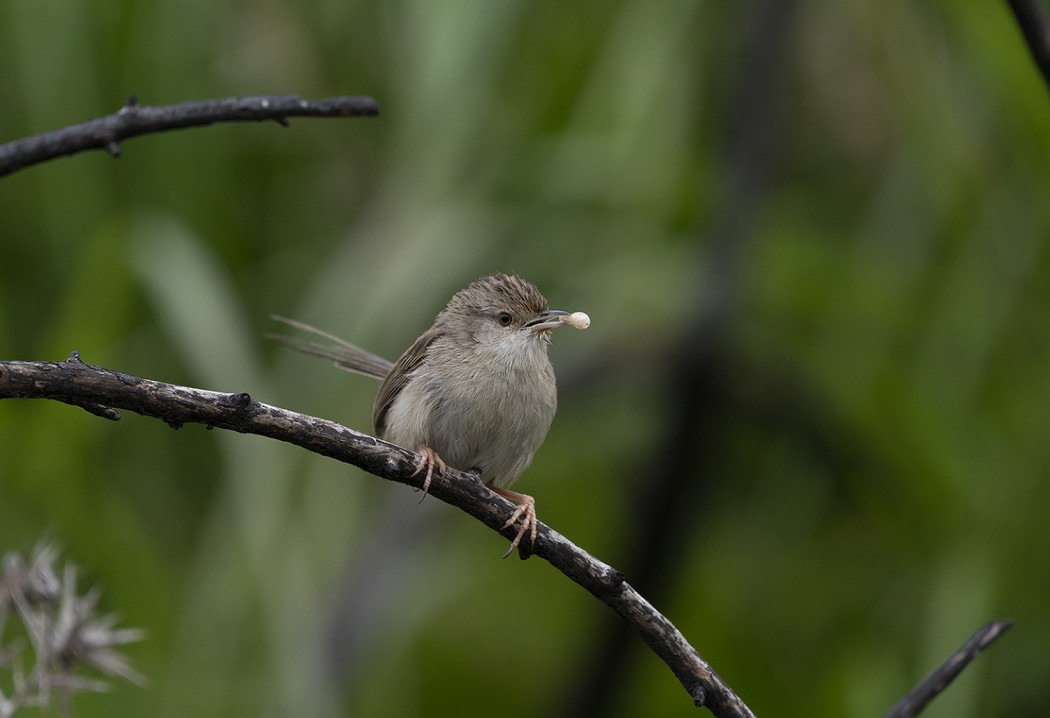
(935, 683)
(1035, 26)
(134, 119)
(74, 382)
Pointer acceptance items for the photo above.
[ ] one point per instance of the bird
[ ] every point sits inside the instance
(476, 391)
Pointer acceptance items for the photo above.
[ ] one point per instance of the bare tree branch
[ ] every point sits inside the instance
(134, 119)
(935, 683)
(103, 392)
(1035, 26)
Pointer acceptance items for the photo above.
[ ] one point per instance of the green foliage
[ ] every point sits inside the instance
(879, 487)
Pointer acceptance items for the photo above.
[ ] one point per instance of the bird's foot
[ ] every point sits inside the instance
(526, 512)
(429, 460)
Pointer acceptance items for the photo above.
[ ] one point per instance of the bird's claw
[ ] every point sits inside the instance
(526, 511)
(428, 459)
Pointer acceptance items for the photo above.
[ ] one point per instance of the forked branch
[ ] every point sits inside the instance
(104, 393)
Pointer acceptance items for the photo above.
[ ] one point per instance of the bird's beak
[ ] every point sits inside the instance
(550, 319)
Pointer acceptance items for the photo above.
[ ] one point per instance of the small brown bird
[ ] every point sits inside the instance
(476, 391)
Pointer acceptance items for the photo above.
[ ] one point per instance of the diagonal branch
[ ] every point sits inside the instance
(134, 119)
(103, 392)
(935, 683)
(1035, 26)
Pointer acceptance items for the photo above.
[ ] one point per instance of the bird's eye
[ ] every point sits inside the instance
(504, 318)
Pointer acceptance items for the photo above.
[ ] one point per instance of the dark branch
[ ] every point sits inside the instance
(103, 392)
(932, 686)
(1035, 26)
(133, 119)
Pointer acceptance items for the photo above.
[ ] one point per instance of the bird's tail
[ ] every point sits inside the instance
(342, 353)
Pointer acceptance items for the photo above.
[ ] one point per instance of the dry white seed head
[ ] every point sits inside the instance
(579, 320)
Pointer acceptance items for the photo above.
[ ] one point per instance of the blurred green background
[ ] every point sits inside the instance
(809, 420)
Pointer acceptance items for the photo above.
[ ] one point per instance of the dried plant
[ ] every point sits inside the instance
(63, 632)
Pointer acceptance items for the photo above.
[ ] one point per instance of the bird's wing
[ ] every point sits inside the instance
(398, 377)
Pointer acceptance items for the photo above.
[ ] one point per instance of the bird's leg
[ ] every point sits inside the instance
(526, 511)
(428, 459)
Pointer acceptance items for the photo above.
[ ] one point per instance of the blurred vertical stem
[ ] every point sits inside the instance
(696, 366)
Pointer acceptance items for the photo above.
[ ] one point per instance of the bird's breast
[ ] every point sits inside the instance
(491, 418)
